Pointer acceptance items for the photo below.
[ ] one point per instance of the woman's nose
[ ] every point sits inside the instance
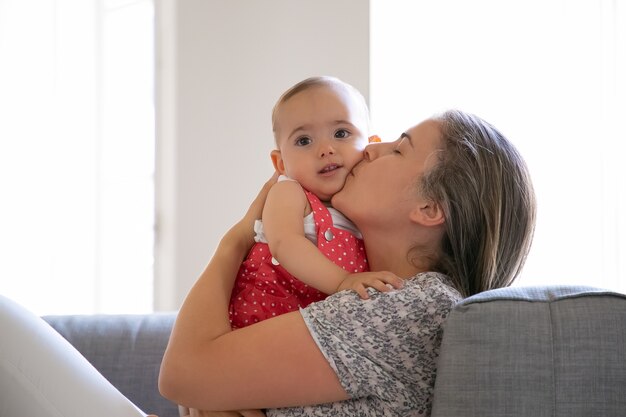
(371, 151)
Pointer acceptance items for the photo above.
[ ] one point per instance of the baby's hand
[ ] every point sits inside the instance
(380, 281)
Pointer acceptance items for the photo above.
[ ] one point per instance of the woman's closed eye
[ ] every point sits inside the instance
(398, 146)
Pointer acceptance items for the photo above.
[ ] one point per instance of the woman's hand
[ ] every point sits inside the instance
(244, 229)
(256, 208)
(244, 413)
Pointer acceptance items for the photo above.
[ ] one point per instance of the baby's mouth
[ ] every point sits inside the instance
(329, 168)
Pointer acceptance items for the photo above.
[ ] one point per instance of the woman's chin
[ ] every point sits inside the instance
(333, 200)
(338, 199)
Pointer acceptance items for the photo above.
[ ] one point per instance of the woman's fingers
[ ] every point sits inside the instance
(256, 208)
(201, 413)
(252, 413)
(244, 229)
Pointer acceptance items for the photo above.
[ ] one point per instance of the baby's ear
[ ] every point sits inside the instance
(277, 160)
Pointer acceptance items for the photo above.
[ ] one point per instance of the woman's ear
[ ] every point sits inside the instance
(277, 160)
(428, 213)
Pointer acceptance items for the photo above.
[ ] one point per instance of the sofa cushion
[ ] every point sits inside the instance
(536, 351)
(126, 349)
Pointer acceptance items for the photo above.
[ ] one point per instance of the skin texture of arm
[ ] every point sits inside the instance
(187, 412)
(275, 363)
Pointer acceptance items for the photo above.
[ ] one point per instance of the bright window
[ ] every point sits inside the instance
(77, 155)
(551, 75)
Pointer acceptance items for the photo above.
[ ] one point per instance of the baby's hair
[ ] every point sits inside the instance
(319, 81)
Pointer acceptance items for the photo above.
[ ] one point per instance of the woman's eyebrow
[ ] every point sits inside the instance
(406, 135)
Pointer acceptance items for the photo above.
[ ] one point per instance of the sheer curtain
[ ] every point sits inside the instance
(551, 75)
(77, 155)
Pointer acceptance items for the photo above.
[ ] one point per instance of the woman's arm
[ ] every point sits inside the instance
(274, 363)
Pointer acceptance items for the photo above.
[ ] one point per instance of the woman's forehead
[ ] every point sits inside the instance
(426, 134)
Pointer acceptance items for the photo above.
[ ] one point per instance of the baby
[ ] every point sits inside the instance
(321, 128)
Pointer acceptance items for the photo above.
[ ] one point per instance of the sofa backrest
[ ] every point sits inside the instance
(126, 349)
(534, 352)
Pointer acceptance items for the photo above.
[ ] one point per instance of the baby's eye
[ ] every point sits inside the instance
(303, 141)
(342, 134)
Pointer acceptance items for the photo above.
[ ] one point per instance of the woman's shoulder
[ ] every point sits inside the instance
(384, 349)
(434, 283)
(426, 296)
(422, 289)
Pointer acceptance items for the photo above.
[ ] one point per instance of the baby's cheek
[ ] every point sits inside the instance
(354, 159)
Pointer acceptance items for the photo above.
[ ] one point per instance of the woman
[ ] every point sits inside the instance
(449, 207)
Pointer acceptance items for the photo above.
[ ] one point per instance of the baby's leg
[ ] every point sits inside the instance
(41, 374)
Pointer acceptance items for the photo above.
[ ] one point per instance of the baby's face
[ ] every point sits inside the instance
(321, 133)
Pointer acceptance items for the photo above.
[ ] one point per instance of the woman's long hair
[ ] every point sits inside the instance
(484, 187)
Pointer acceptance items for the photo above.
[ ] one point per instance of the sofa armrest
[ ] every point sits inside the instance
(126, 349)
(553, 351)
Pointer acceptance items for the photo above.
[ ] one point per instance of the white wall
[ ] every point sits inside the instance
(221, 65)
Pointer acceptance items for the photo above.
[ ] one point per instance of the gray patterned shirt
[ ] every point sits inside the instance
(383, 350)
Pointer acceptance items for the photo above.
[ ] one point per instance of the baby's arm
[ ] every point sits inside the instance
(284, 229)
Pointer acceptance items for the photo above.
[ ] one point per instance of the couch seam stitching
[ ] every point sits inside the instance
(552, 344)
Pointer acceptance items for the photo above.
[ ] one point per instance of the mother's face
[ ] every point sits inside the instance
(382, 189)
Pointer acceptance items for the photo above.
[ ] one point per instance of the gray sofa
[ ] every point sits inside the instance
(532, 352)
(126, 349)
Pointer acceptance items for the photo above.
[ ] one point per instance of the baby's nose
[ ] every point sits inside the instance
(326, 149)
